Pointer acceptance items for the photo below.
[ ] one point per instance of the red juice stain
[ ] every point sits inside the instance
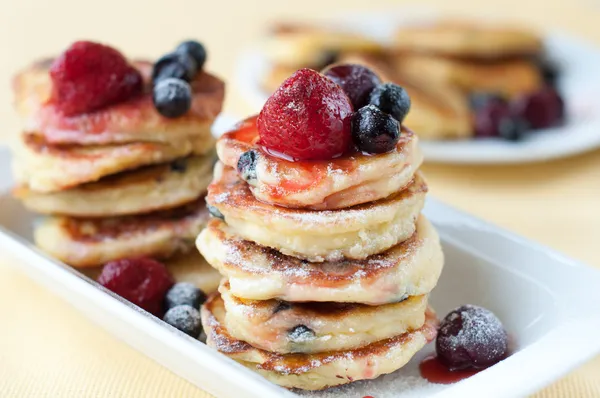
(436, 372)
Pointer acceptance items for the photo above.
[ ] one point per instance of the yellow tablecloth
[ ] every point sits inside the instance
(47, 349)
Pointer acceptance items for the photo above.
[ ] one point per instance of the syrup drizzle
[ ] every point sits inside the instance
(435, 371)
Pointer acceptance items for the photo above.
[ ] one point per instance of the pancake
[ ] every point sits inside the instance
(326, 184)
(356, 232)
(468, 39)
(144, 190)
(510, 78)
(316, 371)
(438, 111)
(84, 242)
(255, 272)
(284, 327)
(45, 167)
(311, 46)
(130, 121)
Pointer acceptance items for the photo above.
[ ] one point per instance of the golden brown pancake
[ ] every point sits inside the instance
(255, 272)
(285, 327)
(144, 190)
(468, 39)
(355, 232)
(133, 120)
(316, 371)
(322, 184)
(82, 242)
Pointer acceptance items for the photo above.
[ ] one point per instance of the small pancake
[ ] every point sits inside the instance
(84, 242)
(130, 121)
(322, 184)
(284, 327)
(468, 39)
(438, 111)
(355, 232)
(255, 272)
(144, 190)
(511, 77)
(312, 46)
(45, 167)
(316, 371)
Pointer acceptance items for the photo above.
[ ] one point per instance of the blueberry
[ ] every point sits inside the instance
(479, 100)
(300, 334)
(282, 306)
(512, 128)
(185, 318)
(246, 166)
(374, 131)
(179, 165)
(184, 293)
(215, 212)
(471, 337)
(194, 50)
(172, 97)
(177, 65)
(391, 99)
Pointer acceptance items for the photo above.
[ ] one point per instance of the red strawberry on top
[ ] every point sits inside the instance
(308, 117)
(89, 76)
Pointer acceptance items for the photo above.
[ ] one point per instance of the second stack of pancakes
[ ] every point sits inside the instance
(328, 264)
(120, 182)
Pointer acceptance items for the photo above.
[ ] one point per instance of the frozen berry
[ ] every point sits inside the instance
(471, 337)
(185, 318)
(89, 76)
(142, 281)
(391, 99)
(357, 81)
(194, 50)
(308, 117)
(184, 293)
(374, 131)
(172, 97)
(177, 65)
(215, 212)
(246, 166)
(300, 334)
(512, 128)
(541, 109)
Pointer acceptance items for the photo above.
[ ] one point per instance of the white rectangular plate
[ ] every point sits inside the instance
(549, 304)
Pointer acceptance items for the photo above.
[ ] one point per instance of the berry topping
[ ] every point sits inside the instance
(89, 76)
(471, 337)
(494, 119)
(512, 128)
(308, 117)
(184, 293)
(194, 50)
(177, 65)
(541, 109)
(357, 81)
(142, 281)
(300, 334)
(215, 212)
(479, 100)
(246, 166)
(172, 97)
(185, 318)
(391, 99)
(374, 131)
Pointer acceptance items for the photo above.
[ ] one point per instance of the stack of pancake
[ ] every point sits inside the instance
(441, 65)
(122, 181)
(327, 265)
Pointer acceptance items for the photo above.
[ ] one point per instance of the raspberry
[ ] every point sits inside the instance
(143, 281)
(308, 117)
(89, 76)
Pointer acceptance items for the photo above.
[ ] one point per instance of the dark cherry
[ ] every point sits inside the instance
(357, 81)
(488, 117)
(391, 99)
(246, 166)
(542, 109)
(301, 333)
(185, 318)
(471, 337)
(374, 131)
(215, 212)
(184, 293)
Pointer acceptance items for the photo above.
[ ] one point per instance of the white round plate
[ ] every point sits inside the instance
(579, 84)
